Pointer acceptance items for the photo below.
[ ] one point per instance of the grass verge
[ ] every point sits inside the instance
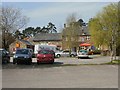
(114, 62)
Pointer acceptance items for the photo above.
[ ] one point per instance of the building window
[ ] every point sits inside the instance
(82, 39)
(72, 39)
(66, 39)
(87, 38)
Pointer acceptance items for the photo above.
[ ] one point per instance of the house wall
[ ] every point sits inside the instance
(58, 43)
(75, 42)
(12, 47)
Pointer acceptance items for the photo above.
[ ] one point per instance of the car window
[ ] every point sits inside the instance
(0, 52)
(44, 52)
(22, 51)
(4, 52)
(84, 51)
(66, 51)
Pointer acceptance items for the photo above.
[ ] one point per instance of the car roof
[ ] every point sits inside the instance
(22, 49)
(45, 50)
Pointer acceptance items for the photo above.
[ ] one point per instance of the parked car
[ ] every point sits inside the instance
(82, 53)
(65, 53)
(45, 56)
(22, 55)
(52, 52)
(4, 56)
(32, 52)
(90, 52)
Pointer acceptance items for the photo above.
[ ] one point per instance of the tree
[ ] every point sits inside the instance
(51, 28)
(31, 31)
(44, 30)
(0, 40)
(18, 34)
(8, 39)
(104, 28)
(28, 32)
(97, 34)
(37, 30)
(70, 32)
(71, 18)
(11, 20)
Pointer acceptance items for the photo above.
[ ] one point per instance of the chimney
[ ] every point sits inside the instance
(64, 25)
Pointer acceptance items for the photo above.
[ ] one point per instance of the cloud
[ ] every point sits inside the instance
(58, 12)
(63, 9)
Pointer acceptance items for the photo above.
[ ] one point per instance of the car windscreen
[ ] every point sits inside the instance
(44, 52)
(3, 53)
(83, 51)
(22, 51)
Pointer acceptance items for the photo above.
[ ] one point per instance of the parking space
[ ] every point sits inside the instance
(62, 61)
(47, 76)
(93, 59)
(65, 72)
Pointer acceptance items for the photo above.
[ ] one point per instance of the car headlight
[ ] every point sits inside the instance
(15, 56)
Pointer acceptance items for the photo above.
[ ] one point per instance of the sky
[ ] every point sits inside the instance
(41, 13)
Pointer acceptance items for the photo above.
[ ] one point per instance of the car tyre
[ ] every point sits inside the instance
(18, 62)
(14, 62)
(30, 62)
(58, 55)
(5, 61)
(51, 62)
(38, 63)
(72, 55)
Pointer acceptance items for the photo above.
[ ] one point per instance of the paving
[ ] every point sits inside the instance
(85, 76)
(91, 60)
(58, 76)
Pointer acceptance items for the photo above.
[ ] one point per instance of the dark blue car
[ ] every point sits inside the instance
(22, 56)
(4, 56)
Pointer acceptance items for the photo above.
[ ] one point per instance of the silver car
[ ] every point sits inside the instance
(65, 53)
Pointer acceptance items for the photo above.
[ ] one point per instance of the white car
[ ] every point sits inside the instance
(82, 54)
(65, 53)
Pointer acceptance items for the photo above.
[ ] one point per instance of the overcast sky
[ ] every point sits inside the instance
(40, 13)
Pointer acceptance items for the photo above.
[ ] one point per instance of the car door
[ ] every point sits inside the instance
(66, 53)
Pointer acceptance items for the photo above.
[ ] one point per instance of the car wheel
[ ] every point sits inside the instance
(8, 61)
(14, 62)
(51, 62)
(18, 62)
(58, 55)
(38, 63)
(72, 55)
(30, 62)
(5, 62)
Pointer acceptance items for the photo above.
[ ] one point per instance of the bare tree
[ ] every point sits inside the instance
(71, 18)
(11, 20)
(70, 32)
